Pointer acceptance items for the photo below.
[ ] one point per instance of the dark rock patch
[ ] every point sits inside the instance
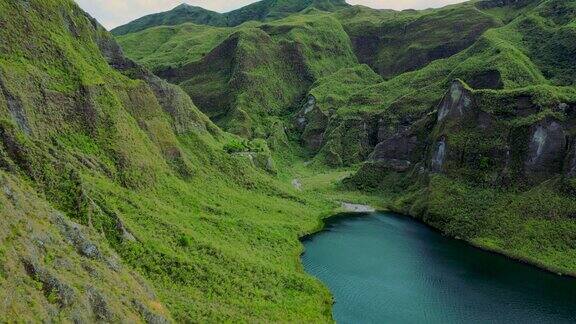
(54, 289)
(73, 234)
(398, 149)
(99, 305)
(149, 316)
(546, 149)
(490, 79)
(15, 108)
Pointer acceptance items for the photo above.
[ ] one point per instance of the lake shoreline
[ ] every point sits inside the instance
(459, 263)
(518, 258)
(340, 213)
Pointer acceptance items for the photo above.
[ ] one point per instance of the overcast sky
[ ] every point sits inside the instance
(113, 13)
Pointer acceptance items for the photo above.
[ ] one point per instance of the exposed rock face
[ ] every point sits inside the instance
(546, 149)
(438, 156)
(73, 233)
(15, 108)
(455, 110)
(99, 305)
(312, 121)
(472, 140)
(399, 147)
(109, 47)
(397, 151)
(51, 285)
(456, 103)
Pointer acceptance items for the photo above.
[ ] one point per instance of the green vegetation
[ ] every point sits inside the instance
(252, 72)
(123, 200)
(148, 178)
(259, 11)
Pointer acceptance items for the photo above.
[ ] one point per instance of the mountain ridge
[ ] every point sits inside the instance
(257, 11)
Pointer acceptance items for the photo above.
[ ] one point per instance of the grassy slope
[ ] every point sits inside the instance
(393, 42)
(216, 238)
(264, 10)
(215, 261)
(161, 47)
(529, 50)
(263, 70)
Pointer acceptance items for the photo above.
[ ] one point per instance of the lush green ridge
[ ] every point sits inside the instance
(255, 74)
(261, 11)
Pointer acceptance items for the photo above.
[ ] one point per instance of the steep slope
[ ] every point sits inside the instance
(108, 171)
(492, 161)
(255, 74)
(468, 126)
(393, 42)
(51, 267)
(259, 11)
(502, 58)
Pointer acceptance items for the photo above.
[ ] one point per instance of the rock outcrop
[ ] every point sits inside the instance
(397, 151)
(546, 150)
(470, 139)
(312, 122)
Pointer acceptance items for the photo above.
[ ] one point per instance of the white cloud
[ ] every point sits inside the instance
(112, 13)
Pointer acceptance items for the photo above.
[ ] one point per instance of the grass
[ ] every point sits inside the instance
(264, 69)
(217, 238)
(113, 157)
(260, 11)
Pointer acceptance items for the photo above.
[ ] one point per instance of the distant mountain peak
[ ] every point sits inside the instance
(259, 11)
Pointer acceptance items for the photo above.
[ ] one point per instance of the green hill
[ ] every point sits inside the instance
(261, 11)
(252, 73)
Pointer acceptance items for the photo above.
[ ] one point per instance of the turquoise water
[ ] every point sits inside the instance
(385, 268)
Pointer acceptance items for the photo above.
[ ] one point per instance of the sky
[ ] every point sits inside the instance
(113, 13)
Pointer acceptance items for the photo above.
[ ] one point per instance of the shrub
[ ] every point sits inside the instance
(236, 145)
